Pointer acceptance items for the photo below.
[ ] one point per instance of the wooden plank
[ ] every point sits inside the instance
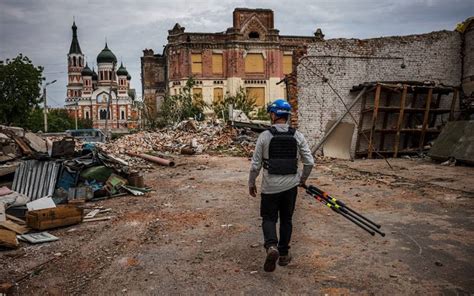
(374, 120)
(361, 120)
(17, 220)
(8, 238)
(3, 216)
(91, 214)
(98, 219)
(400, 121)
(385, 121)
(453, 104)
(425, 118)
(19, 229)
(24, 147)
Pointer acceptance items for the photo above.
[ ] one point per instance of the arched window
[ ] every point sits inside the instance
(122, 114)
(80, 62)
(74, 61)
(87, 114)
(102, 114)
(254, 35)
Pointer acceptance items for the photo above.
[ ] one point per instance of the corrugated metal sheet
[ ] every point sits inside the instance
(35, 178)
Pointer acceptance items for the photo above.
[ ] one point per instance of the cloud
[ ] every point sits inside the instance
(41, 29)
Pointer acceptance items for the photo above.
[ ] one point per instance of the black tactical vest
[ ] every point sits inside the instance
(282, 153)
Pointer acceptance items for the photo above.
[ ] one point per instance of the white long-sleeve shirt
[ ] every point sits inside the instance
(278, 183)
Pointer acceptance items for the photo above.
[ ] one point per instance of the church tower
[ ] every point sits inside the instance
(75, 65)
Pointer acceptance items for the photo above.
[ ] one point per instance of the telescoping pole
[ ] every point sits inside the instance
(340, 208)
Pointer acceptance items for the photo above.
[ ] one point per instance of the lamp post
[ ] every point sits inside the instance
(109, 101)
(45, 111)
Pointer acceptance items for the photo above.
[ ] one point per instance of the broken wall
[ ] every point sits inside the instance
(153, 71)
(468, 64)
(347, 62)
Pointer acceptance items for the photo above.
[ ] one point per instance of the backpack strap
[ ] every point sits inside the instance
(291, 131)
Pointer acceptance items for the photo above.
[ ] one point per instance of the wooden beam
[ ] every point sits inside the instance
(374, 120)
(453, 104)
(385, 120)
(336, 123)
(400, 120)
(410, 117)
(361, 121)
(426, 118)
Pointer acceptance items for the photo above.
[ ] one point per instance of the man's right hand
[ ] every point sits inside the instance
(253, 191)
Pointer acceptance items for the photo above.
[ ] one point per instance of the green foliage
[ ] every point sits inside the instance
(262, 114)
(182, 106)
(20, 85)
(240, 102)
(58, 121)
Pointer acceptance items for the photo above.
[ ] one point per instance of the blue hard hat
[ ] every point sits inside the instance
(280, 107)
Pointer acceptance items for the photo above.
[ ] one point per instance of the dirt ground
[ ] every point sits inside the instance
(199, 233)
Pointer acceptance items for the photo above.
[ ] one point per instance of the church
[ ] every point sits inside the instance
(90, 93)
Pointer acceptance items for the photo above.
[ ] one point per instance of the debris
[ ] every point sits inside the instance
(253, 272)
(17, 220)
(136, 179)
(438, 263)
(38, 238)
(153, 159)
(19, 229)
(98, 173)
(40, 204)
(62, 215)
(37, 143)
(8, 239)
(35, 178)
(114, 183)
(92, 214)
(3, 216)
(133, 190)
(98, 219)
(205, 136)
(82, 193)
(13, 199)
(64, 147)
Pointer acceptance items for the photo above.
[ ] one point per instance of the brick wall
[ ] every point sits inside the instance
(468, 67)
(347, 62)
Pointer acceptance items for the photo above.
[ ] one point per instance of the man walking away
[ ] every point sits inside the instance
(277, 150)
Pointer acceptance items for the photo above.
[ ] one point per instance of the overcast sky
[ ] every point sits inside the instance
(41, 29)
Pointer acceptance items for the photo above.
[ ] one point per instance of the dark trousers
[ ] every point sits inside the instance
(272, 205)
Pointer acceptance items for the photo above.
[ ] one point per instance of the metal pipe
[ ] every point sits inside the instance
(154, 159)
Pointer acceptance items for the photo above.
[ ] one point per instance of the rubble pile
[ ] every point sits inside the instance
(46, 182)
(188, 137)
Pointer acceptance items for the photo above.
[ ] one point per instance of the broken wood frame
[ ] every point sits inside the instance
(406, 104)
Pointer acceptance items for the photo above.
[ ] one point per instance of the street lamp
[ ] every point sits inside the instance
(45, 111)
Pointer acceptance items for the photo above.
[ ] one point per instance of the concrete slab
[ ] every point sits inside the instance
(456, 140)
(338, 144)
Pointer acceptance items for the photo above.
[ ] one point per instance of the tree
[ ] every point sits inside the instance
(183, 105)
(20, 86)
(241, 101)
(59, 120)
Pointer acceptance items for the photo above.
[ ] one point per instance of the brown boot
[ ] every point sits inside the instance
(272, 258)
(284, 260)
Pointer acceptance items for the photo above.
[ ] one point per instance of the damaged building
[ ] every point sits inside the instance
(382, 97)
(251, 54)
